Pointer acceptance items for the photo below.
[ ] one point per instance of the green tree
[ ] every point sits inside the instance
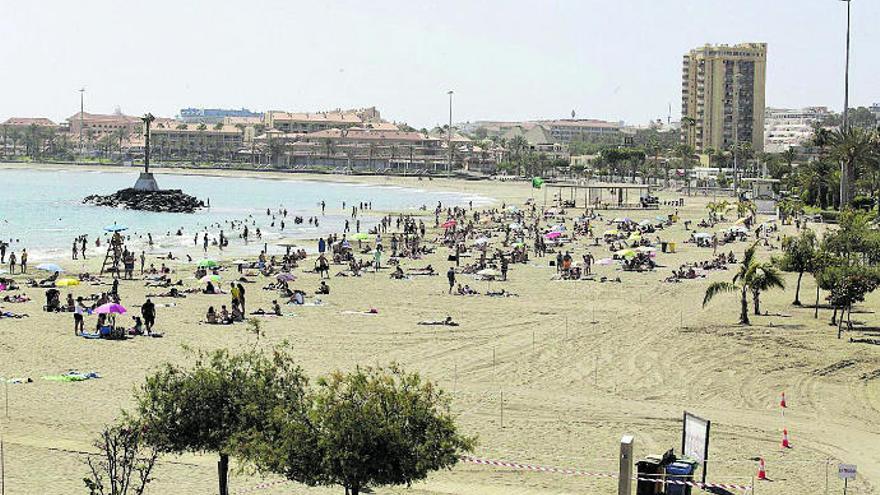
(217, 404)
(799, 253)
(374, 427)
(752, 276)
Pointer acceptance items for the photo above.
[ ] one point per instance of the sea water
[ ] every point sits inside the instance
(42, 210)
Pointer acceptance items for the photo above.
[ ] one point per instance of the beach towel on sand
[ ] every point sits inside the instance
(72, 376)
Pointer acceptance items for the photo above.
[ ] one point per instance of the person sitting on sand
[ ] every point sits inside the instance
(237, 314)
(210, 289)
(447, 322)
(323, 289)
(398, 274)
(298, 298)
(225, 318)
(211, 316)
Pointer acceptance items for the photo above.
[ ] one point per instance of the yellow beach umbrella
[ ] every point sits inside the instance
(66, 282)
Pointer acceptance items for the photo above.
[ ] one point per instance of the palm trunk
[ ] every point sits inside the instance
(756, 298)
(816, 312)
(744, 308)
(834, 316)
(797, 290)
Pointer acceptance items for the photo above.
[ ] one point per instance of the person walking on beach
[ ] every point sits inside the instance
(148, 311)
(75, 250)
(450, 276)
(12, 263)
(143, 262)
(78, 324)
(23, 260)
(205, 243)
(2, 252)
(82, 250)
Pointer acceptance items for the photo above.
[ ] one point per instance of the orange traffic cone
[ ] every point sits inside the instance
(785, 443)
(762, 473)
(782, 402)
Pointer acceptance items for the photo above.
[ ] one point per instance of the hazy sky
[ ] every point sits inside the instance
(511, 59)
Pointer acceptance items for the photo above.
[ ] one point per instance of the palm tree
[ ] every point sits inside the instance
(850, 147)
(685, 153)
(752, 276)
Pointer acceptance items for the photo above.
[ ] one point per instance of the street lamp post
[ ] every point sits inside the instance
(82, 92)
(449, 136)
(845, 172)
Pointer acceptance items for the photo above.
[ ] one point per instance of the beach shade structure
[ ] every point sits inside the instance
(553, 235)
(206, 263)
(66, 282)
(110, 309)
(211, 278)
(49, 267)
(286, 277)
(115, 228)
(447, 224)
(361, 236)
(626, 253)
(288, 243)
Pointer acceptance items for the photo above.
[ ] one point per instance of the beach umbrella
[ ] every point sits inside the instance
(644, 223)
(646, 249)
(482, 240)
(286, 277)
(115, 228)
(288, 242)
(635, 236)
(604, 261)
(66, 282)
(626, 253)
(361, 236)
(611, 232)
(558, 228)
(49, 267)
(518, 244)
(702, 235)
(485, 220)
(553, 235)
(515, 226)
(740, 221)
(240, 262)
(211, 278)
(621, 220)
(512, 208)
(110, 308)
(447, 224)
(661, 218)
(206, 263)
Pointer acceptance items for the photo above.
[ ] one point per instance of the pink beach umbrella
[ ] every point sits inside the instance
(110, 308)
(552, 235)
(448, 223)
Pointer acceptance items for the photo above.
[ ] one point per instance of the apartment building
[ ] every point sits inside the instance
(722, 96)
(181, 140)
(100, 125)
(304, 122)
(587, 130)
(790, 127)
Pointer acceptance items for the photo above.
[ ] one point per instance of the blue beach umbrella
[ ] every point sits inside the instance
(115, 228)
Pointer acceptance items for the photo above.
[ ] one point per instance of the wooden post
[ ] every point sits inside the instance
(624, 479)
(502, 409)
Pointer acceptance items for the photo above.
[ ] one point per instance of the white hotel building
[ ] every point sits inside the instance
(788, 127)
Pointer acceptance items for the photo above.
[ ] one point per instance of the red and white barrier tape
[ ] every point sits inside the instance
(544, 469)
(549, 469)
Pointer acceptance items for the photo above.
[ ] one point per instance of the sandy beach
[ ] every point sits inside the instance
(579, 363)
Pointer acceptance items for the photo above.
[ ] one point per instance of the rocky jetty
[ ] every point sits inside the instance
(164, 201)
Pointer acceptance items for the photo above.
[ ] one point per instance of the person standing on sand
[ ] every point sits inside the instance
(23, 260)
(12, 263)
(450, 276)
(143, 262)
(241, 299)
(148, 311)
(78, 324)
(2, 252)
(323, 206)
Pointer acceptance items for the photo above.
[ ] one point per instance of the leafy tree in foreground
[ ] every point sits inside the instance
(369, 427)
(124, 463)
(212, 406)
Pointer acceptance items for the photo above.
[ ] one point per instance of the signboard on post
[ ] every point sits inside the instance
(695, 439)
(846, 471)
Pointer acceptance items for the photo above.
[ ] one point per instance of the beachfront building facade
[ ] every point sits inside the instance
(785, 128)
(182, 141)
(214, 115)
(305, 122)
(722, 96)
(94, 126)
(586, 130)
